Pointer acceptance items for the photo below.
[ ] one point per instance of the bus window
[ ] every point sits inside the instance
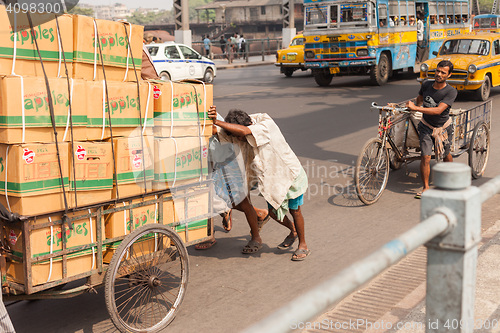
(334, 13)
(442, 13)
(382, 15)
(450, 19)
(411, 20)
(316, 15)
(353, 13)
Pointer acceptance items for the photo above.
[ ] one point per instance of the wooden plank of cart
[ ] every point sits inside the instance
(397, 143)
(144, 270)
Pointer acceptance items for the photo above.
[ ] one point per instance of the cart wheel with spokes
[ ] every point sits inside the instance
(372, 171)
(146, 279)
(479, 149)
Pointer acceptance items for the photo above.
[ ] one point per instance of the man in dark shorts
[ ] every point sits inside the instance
(434, 100)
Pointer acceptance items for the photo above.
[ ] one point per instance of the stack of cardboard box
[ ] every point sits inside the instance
(106, 149)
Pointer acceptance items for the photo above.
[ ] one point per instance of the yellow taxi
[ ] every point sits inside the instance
(476, 62)
(292, 58)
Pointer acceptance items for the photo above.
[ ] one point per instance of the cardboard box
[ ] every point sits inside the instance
(114, 47)
(94, 173)
(183, 104)
(196, 230)
(27, 60)
(193, 205)
(31, 110)
(178, 159)
(124, 102)
(124, 222)
(45, 241)
(134, 164)
(32, 169)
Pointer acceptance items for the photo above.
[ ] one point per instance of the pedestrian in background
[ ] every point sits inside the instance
(223, 46)
(242, 46)
(207, 44)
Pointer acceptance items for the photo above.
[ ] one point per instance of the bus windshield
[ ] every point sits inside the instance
(486, 22)
(466, 46)
(333, 16)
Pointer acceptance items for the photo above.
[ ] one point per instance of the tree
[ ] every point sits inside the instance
(82, 11)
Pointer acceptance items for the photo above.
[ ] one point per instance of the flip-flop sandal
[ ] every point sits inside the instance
(295, 256)
(287, 243)
(418, 195)
(261, 223)
(205, 245)
(251, 247)
(227, 221)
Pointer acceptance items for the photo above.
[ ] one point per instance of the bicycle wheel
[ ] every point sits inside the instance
(146, 279)
(372, 171)
(479, 150)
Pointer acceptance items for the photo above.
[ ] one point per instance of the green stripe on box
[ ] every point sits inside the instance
(166, 116)
(135, 176)
(30, 54)
(120, 122)
(109, 60)
(40, 121)
(92, 184)
(192, 225)
(180, 175)
(33, 187)
(20, 255)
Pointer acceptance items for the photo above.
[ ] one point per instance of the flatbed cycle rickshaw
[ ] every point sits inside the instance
(144, 270)
(397, 144)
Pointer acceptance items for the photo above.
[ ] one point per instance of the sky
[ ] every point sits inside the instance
(161, 4)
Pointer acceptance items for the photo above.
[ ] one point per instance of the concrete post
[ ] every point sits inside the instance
(182, 33)
(452, 257)
(289, 30)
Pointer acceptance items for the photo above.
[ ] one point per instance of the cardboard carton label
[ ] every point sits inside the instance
(12, 237)
(156, 92)
(81, 153)
(28, 156)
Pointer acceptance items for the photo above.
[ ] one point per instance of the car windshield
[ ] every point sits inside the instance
(189, 53)
(153, 50)
(466, 46)
(297, 41)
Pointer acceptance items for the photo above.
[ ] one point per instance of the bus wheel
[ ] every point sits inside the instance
(380, 73)
(323, 79)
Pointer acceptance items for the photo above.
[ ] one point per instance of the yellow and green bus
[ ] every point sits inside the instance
(377, 37)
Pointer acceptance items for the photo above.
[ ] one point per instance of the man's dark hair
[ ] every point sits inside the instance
(446, 63)
(239, 117)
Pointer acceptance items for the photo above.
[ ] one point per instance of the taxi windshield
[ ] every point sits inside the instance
(466, 46)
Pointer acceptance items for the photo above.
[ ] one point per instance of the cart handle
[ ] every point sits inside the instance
(388, 108)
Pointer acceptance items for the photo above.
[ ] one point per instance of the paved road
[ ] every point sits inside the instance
(327, 128)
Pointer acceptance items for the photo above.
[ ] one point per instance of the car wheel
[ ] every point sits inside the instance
(483, 92)
(165, 76)
(288, 72)
(209, 76)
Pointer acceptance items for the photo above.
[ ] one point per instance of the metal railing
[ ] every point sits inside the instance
(252, 47)
(450, 228)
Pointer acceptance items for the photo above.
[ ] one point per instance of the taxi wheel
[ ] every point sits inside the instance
(165, 76)
(483, 92)
(209, 76)
(288, 72)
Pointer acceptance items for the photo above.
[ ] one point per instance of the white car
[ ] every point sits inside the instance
(178, 62)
